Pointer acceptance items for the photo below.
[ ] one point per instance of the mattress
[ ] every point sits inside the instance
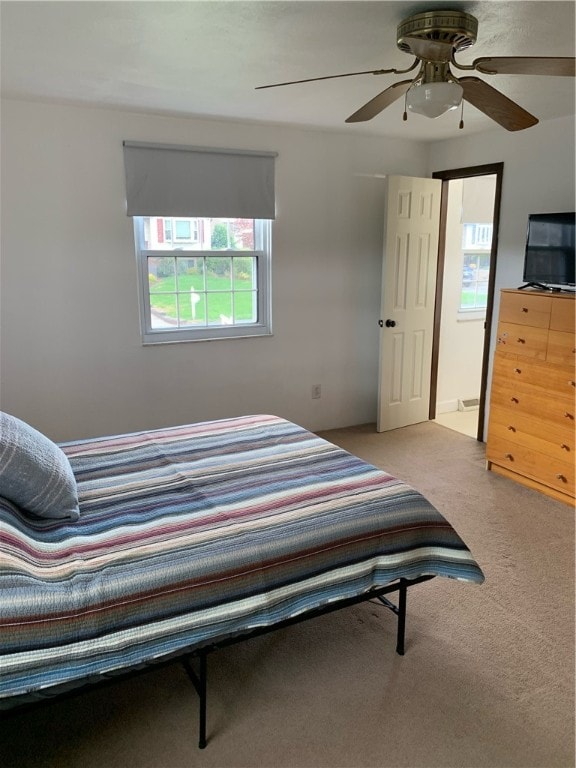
(198, 533)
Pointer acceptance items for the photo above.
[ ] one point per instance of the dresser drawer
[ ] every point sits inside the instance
(523, 340)
(533, 464)
(555, 440)
(553, 379)
(563, 314)
(525, 309)
(561, 348)
(534, 402)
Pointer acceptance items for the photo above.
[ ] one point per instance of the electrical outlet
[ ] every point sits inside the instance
(316, 391)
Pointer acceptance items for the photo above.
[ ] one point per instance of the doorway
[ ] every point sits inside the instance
(469, 221)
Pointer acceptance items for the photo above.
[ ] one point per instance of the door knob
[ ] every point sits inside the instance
(390, 323)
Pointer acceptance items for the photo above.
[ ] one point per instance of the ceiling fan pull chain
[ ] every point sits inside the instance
(461, 125)
(405, 115)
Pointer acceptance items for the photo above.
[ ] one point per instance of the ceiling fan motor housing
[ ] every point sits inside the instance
(446, 31)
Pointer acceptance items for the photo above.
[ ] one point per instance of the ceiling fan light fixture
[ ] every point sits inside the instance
(434, 99)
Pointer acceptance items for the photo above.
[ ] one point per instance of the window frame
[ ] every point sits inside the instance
(477, 240)
(263, 325)
(475, 283)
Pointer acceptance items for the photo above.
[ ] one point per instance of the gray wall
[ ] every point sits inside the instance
(71, 359)
(72, 363)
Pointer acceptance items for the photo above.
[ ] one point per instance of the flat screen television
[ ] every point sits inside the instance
(550, 258)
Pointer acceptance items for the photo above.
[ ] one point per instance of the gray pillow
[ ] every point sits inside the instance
(35, 473)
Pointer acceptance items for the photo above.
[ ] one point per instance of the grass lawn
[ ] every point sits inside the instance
(469, 299)
(174, 300)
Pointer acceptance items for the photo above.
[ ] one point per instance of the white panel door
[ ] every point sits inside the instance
(409, 267)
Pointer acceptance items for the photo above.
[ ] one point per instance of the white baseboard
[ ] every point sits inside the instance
(447, 406)
(458, 404)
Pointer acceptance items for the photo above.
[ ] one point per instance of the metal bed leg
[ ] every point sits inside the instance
(199, 683)
(202, 694)
(402, 592)
(400, 611)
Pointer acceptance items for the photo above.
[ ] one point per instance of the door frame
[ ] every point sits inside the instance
(492, 169)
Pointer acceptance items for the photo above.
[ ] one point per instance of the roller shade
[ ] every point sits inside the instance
(171, 180)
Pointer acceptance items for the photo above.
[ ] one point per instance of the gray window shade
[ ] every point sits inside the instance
(165, 180)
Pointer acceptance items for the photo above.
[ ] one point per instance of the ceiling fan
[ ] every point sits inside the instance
(433, 38)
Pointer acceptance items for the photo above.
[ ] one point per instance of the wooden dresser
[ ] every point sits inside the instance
(532, 428)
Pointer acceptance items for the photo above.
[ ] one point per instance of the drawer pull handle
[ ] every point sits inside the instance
(509, 456)
(521, 341)
(565, 447)
(517, 370)
(572, 383)
(515, 400)
(561, 477)
(524, 309)
(511, 428)
(568, 415)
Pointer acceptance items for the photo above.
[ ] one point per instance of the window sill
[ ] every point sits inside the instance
(471, 315)
(152, 339)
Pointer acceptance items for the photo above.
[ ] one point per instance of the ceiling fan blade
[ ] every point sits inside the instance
(380, 102)
(556, 66)
(328, 77)
(497, 106)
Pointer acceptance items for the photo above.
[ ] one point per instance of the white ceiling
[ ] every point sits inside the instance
(205, 58)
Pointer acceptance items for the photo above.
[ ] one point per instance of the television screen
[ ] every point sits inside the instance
(550, 256)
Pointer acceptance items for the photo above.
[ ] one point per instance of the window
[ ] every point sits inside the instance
(185, 230)
(162, 232)
(202, 223)
(214, 283)
(477, 236)
(476, 248)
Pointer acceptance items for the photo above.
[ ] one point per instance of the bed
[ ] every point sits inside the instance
(185, 539)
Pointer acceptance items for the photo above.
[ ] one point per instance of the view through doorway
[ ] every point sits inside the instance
(469, 229)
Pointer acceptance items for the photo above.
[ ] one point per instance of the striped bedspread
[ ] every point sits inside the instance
(193, 534)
